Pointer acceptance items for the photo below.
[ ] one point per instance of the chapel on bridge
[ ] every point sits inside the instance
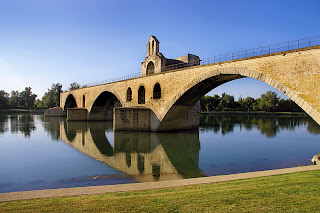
(155, 62)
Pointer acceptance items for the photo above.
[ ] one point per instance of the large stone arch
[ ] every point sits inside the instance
(180, 105)
(102, 107)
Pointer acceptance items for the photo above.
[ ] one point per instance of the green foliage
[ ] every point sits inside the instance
(267, 102)
(14, 101)
(27, 99)
(227, 102)
(74, 86)
(40, 104)
(24, 99)
(52, 97)
(210, 103)
(4, 100)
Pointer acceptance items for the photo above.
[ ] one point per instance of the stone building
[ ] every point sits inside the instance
(155, 62)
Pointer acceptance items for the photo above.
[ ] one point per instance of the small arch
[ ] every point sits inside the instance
(129, 94)
(83, 101)
(70, 102)
(102, 108)
(141, 95)
(150, 68)
(152, 47)
(157, 91)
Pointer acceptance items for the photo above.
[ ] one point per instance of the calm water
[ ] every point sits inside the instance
(40, 153)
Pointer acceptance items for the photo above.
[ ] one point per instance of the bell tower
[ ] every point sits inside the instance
(152, 46)
(154, 61)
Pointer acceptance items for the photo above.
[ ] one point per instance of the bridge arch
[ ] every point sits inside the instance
(191, 93)
(102, 107)
(70, 102)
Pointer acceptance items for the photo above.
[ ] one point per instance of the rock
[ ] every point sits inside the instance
(316, 160)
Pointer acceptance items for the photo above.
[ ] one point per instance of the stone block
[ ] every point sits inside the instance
(77, 114)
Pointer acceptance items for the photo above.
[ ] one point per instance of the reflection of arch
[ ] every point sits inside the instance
(157, 91)
(150, 68)
(97, 130)
(102, 108)
(70, 133)
(141, 95)
(129, 94)
(70, 102)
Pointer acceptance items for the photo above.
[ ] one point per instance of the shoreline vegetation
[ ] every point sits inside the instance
(253, 113)
(18, 111)
(294, 192)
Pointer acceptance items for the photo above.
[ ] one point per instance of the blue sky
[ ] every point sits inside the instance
(44, 42)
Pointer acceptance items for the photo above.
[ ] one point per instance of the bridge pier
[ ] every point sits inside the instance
(144, 119)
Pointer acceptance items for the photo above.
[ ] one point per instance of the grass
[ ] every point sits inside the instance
(296, 192)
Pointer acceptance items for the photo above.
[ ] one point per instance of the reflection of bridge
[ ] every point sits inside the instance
(163, 100)
(146, 156)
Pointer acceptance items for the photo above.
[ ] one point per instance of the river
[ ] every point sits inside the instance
(42, 153)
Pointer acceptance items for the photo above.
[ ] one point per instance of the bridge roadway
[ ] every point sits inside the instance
(169, 100)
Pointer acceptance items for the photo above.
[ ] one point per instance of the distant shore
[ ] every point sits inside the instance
(254, 113)
(16, 111)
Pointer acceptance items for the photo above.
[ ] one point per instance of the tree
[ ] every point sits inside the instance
(227, 101)
(40, 104)
(52, 97)
(74, 86)
(14, 100)
(4, 100)
(27, 99)
(269, 101)
(248, 103)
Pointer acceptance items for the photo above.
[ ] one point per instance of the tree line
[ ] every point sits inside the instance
(27, 100)
(269, 102)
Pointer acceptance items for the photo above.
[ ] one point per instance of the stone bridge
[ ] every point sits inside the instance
(168, 100)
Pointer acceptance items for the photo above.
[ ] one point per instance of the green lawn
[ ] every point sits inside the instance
(296, 192)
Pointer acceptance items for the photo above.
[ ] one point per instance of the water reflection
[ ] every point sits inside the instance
(3, 124)
(23, 123)
(268, 125)
(145, 156)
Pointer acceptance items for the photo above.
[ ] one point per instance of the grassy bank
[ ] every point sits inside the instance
(296, 192)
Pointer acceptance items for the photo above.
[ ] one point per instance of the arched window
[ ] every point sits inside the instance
(152, 47)
(83, 101)
(129, 94)
(157, 91)
(141, 95)
(150, 68)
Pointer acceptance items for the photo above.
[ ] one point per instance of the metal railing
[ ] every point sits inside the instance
(265, 50)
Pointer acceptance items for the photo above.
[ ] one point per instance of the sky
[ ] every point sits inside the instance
(63, 41)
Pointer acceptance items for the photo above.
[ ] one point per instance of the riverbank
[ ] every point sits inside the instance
(253, 113)
(19, 111)
(294, 192)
